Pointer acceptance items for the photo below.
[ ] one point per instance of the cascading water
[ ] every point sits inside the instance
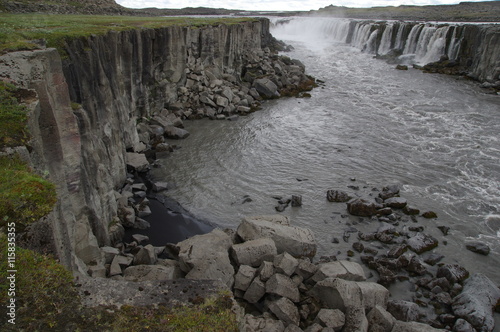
(421, 44)
(434, 135)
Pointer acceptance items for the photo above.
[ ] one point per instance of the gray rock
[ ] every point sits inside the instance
(137, 161)
(160, 186)
(145, 256)
(396, 202)
(334, 293)
(206, 256)
(254, 252)
(461, 325)
(333, 318)
(452, 272)
(118, 263)
(340, 269)
(361, 207)
(422, 242)
(139, 238)
(355, 320)
(306, 269)
(373, 295)
(292, 328)
(176, 133)
(244, 277)
(262, 324)
(478, 247)
(403, 310)
(380, 320)
(285, 310)
(337, 196)
(298, 242)
(285, 264)
(109, 253)
(266, 88)
(413, 327)
(255, 291)
(475, 303)
(97, 271)
(282, 285)
(151, 272)
(265, 271)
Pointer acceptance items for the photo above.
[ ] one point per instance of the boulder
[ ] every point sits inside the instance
(266, 88)
(422, 242)
(355, 320)
(244, 277)
(452, 272)
(176, 133)
(282, 285)
(380, 320)
(334, 293)
(340, 269)
(160, 186)
(285, 264)
(285, 310)
(206, 257)
(478, 247)
(298, 242)
(403, 310)
(306, 269)
(254, 252)
(373, 295)
(475, 303)
(109, 253)
(265, 271)
(332, 318)
(361, 207)
(118, 263)
(413, 327)
(255, 291)
(262, 324)
(145, 256)
(396, 202)
(461, 325)
(151, 272)
(137, 161)
(337, 196)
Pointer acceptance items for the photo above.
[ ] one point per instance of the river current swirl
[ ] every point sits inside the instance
(368, 125)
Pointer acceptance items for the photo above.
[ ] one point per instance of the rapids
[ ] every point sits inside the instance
(368, 125)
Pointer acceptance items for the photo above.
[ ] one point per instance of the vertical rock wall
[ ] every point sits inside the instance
(88, 105)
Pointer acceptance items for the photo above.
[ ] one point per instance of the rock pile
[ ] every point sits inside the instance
(267, 263)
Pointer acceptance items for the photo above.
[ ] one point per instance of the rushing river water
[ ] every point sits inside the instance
(369, 125)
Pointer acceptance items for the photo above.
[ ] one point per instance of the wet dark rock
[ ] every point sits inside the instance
(444, 229)
(384, 212)
(358, 246)
(422, 242)
(453, 272)
(402, 67)
(408, 210)
(296, 200)
(416, 266)
(397, 251)
(396, 202)
(337, 196)
(429, 215)
(478, 247)
(389, 191)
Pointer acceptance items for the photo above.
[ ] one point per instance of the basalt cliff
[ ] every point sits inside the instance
(88, 108)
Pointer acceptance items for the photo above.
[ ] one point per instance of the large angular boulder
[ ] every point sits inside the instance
(254, 252)
(361, 207)
(340, 269)
(137, 161)
(281, 285)
(422, 242)
(206, 257)
(475, 303)
(380, 320)
(298, 242)
(334, 293)
(285, 310)
(413, 327)
(266, 88)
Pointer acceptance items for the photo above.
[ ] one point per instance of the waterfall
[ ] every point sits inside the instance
(417, 42)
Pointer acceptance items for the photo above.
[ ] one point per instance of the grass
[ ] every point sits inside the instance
(13, 117)
(47, 300)
(18, 30)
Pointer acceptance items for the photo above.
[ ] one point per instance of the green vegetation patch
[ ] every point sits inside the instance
(18, 30)
(13, 118)
(24, 196)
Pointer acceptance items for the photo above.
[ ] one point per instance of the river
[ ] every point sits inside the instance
(369, 125)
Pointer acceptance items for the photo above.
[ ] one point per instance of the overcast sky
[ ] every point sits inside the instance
(278, 4)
